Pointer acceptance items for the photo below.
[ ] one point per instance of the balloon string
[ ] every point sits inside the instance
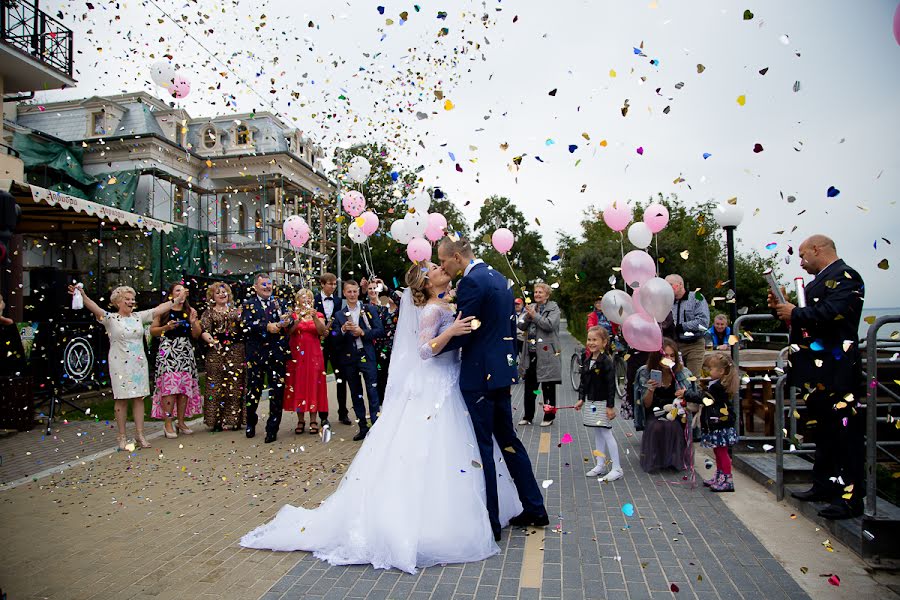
(656, 241)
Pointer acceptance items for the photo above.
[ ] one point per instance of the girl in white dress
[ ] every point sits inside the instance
(414, 496)
(128, 372)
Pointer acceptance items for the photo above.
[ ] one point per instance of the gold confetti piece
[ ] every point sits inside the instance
(510, 450)
(612, 72)
(742, 100)
(883, 264)
(804, 570)
(733, 339)
(448, 105)
(708, 401)
(598, 453)
(685, 254)
(475, 324)
(603, 143)
(476, 464)
(112, 181)
(667, 362)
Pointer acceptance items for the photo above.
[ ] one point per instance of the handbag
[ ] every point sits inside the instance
(593, 414)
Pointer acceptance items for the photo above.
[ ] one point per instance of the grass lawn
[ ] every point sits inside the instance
(105, 410)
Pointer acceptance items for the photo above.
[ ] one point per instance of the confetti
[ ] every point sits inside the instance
(628, 509)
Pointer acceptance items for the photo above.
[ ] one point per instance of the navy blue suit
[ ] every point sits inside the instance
(354, 361)
(266, 355)
(488, 370)
(328, 352)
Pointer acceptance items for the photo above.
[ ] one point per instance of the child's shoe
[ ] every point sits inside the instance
(725, 485)
(715, 479)
(597, 471)
(613, 475)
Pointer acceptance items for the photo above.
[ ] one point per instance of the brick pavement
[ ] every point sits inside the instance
(164, 523)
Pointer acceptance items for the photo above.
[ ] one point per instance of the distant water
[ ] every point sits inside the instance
(885, 330)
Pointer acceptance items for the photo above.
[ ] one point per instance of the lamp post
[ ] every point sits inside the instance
(729, 216)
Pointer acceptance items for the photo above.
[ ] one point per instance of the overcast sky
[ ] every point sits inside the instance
(357, 77)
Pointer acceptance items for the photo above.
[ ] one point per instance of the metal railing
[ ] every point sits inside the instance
(736, 359)
(33, 32)
(872, 418)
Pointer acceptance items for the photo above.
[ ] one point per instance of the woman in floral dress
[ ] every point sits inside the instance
(176, 367)
(129, 375)
(225, 366)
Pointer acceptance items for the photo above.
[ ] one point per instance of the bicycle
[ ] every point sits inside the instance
(619, 349)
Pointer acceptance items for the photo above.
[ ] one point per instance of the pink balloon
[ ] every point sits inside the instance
(300, 241)
(656, 217)
(437, 224)
(637, 267)
(370, 222)
(181, 87)
(642, 332)
(292, 226)
(418, 250)
(503, 240)
(897, 24)
(353, 202)
(617, 215)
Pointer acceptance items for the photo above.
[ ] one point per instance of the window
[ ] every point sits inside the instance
(242, 136)
(210, 138)
(179, 210)
(259, 227)
(98, 123)
(242, 220)
(223, 220)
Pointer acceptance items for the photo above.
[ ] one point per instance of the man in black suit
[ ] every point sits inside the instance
(355, 328)
(825, 365)
(328, 302)
(266, 323)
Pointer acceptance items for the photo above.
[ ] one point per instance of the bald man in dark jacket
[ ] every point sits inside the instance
(825, 365)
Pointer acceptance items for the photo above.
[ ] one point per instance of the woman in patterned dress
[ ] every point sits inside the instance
(176, 367)
(305, 388)
(129, 376)
(221, 323)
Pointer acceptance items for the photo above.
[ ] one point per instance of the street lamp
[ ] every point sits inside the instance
(729, 216)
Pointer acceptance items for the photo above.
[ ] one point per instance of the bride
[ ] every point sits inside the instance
(414, 496)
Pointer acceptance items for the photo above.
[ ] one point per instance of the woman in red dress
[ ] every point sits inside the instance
(306, 390)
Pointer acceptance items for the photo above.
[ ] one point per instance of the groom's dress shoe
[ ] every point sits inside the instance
(842, 510)
(811, 495)
(361, 435)
(526, 519)
(497, 536)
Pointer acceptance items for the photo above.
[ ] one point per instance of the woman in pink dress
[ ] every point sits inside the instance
(305, 388)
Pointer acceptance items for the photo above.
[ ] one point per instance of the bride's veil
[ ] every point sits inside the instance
(405, 353)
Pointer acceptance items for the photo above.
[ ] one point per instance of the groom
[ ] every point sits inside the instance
(488, 370)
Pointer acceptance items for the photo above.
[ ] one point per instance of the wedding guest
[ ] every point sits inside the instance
(305, 387)
(356, 327)
(691, 318)
(720, 332)
(539, 361)
(520, 319)
(596, 317)
(328, 301)
(664, 440)
(176, 368)
(225, 367)
(267, 323)
(12, 353)
(597, 397)
(716, 419)
(387, 310)
(825, 364)
(129, 375)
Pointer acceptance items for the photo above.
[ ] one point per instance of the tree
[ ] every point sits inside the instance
(691, 245)
(528, 256)
(387, 190)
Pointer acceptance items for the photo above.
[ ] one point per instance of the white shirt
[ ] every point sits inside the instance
(471, 265)
(354, 318)
(329, 308)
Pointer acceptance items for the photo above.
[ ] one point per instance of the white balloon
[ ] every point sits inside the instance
(399, 232)
(617, 306)
(162, 72)
(640, 235)
(422, 202)
(657, 298)
(416, 223)
(356, 233)
(359, 169)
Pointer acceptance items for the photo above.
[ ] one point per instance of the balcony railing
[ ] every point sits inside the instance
(35, 33)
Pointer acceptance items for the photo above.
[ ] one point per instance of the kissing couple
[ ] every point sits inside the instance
(441, 471)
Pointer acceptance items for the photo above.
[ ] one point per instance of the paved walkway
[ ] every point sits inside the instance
(164, 523)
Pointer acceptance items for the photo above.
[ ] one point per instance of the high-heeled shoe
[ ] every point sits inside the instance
(140, 440)
(170, 434)
(120, 440)
(184, 429)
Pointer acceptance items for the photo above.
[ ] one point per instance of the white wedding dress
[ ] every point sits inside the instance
(414, 495)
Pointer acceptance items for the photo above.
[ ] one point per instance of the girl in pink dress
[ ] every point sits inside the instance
(305, 388)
